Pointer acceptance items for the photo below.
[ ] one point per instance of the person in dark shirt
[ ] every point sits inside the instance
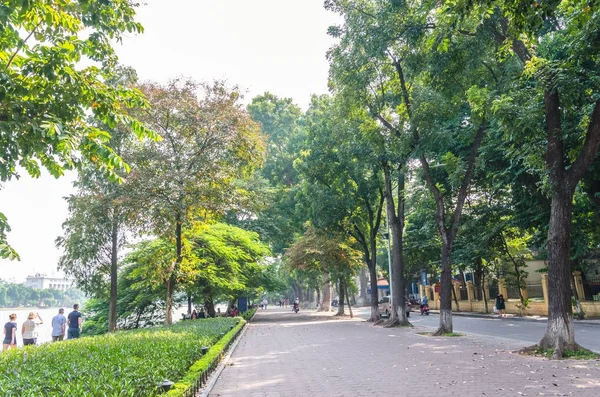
(74, 321)
(10, 333)
(201, 314)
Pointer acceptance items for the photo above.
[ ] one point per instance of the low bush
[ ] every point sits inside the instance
(128, 363)
(248, 315)
(201, 365)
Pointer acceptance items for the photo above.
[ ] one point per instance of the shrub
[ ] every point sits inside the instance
(203, 364)
(248, 315)
(127, 363)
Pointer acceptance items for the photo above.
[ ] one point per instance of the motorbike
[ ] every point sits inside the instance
(296, 307)
(425, 309)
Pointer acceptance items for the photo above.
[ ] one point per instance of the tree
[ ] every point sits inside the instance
(559, 88)
(342, 181)
(228, 262)
(318, 252)
(421, 89)
(209, 143)
(100, 218)
(274, 187)
(46, 95)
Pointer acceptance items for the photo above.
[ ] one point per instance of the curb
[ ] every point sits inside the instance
(215, 375)
(589, 323)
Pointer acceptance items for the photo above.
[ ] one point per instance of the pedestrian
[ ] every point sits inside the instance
(59, 326)
(29, 329)
(10, 333)
(500, 305)
(74, 321)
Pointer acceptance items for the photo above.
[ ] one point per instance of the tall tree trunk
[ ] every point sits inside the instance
(326, 295)
(348, 300)
(341, 290)
(374, 293)
(398, 316)
(189, 303)
(112, 309)
(209, 305)
(363, 284)
(446, 291)
(318, 301)
(560, 334)
(171, 281)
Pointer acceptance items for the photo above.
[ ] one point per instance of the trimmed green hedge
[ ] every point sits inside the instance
(248, 315)
(128, 363)
(201, 365)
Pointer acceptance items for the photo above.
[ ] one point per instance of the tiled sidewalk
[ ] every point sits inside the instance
(311, 354)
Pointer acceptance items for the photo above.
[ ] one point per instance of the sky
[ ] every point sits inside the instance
(261, 45)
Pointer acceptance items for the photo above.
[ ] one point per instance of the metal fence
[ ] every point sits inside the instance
(205, 375)
(535, 291)
(591, 287)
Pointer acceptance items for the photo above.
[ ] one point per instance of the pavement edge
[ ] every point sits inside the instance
(215, 375)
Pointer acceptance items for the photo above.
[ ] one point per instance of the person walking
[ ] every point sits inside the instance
(500, 305)
(59, 326)
(10, 333)
(29, 329)
(74, 321)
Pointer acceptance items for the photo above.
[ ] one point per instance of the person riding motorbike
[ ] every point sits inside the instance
(424, 302)
(296, 305)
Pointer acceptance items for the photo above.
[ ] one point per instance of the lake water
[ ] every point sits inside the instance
(45, 329)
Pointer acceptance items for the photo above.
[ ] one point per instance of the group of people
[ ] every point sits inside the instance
(61, 325)
(200, 314)
(284, 302)
(233, 311)
(264, 304)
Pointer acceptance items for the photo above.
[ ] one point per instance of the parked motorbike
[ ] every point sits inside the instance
(425, 309)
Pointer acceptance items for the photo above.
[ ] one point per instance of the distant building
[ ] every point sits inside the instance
(41, 281)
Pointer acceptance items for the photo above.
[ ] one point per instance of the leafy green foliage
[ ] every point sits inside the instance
(228, 262)
(19, 295)
(129, 363)
(46, 95)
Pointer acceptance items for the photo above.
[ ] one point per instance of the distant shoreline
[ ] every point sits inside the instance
(32, 308)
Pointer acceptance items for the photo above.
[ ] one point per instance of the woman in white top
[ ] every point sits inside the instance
(29, 329)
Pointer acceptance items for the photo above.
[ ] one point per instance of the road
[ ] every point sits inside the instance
(525, 331)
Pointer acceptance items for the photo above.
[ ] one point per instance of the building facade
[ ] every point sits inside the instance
(41, 281)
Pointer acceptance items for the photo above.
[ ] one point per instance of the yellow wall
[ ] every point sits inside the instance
(591, 309)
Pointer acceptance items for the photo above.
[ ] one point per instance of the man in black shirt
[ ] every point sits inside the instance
(74, 321)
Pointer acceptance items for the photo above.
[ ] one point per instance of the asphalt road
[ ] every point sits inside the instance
(527, 332)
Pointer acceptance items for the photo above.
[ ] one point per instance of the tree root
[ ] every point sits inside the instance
(441, 331)
(391, 323)
(558, 352)
(379, 322)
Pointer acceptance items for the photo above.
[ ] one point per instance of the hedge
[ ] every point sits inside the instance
(127, 363)
(201, 367)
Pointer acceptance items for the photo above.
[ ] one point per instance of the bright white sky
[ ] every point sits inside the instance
(261, 45)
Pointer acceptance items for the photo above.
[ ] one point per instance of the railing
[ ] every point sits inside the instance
(535, 291)
(197, 386)
(464, 295)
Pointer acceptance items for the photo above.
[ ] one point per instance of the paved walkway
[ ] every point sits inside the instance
(312, 354)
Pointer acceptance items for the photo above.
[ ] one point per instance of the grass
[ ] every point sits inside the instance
(448, 334)
(580, 354)
(124, 364)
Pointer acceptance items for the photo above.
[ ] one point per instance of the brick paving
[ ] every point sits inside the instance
(312, 354)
